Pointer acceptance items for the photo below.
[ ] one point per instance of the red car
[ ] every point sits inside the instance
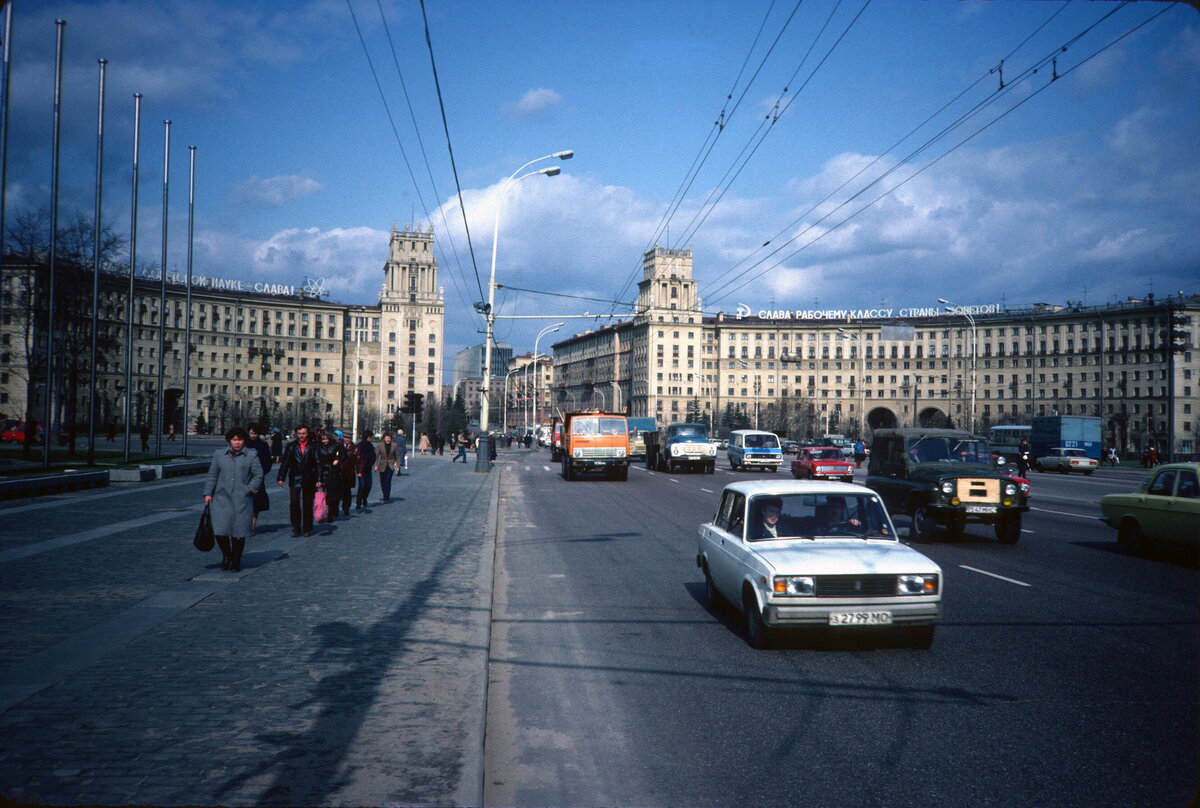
(16, 434)
(822, 463)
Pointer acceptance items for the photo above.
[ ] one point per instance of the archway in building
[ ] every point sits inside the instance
(172, 406)
(933, 417)
(882, 418)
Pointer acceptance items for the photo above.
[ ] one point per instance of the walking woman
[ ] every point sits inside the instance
(387, 463)
(234, 477)
(259, 446)
(329, 462)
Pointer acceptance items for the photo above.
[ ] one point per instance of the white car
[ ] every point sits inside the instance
(816, 553)
(1064, 461)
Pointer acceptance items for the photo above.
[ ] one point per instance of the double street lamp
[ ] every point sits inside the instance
(537, 371)
(954, 308)
(482, 462)
(844, 334)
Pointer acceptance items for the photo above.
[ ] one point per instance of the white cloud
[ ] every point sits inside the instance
(276, 191)
(535, 101)
(349, 259)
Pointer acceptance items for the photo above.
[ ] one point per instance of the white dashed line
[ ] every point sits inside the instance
(1064, 513)
(705, 490)
(994, 575)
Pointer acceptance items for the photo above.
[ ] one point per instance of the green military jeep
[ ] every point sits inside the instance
(944, 477)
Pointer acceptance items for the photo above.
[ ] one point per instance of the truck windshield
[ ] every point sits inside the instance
(687, 431)
(598, 426)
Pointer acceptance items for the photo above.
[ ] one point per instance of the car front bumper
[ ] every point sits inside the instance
(904, 613)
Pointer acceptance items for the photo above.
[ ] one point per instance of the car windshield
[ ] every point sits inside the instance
(949, 450)
(826, 454)
(762, 442)
(598, 426)
(817, 516)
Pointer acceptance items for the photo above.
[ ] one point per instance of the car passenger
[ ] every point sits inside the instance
(766, 525)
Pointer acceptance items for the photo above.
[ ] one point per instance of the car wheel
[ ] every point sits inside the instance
(710, 591)
(924, 525)
(1041, 469)
(758, 634)
(1087, 474)
(919, 637)
(795, 474)
(1063, 470)
(1008, 530)
(1130, 534)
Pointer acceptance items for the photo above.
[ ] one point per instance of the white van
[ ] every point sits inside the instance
(751, 448)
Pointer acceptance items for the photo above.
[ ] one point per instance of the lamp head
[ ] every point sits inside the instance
(564, 155)
(551, 172)
(943, 300)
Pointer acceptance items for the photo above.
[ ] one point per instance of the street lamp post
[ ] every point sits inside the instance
(482, 462)
(954, 308)
(844, 334)
(504, 412)
(537, 371)
(915, 389)
(745, 366)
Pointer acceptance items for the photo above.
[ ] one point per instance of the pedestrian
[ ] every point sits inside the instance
(464, 442)
(1152, 457)
(441, 443)
(860, 453)
(1112, 456)
(234, 477)
(144, 432)
(402, 451)
(366, 464)
(329, 458)
(276, 444)
(349, 472)
(423, 446)
(259, 446)
(492, 448)
(170, 431)
(298, 466)
(387, 461)
(112, 431)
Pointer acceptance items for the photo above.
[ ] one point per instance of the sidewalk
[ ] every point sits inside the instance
(349, 668)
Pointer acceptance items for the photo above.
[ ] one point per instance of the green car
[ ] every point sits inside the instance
(1165, 507)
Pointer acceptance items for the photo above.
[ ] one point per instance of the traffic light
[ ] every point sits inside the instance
(418, 403)
(410, 403)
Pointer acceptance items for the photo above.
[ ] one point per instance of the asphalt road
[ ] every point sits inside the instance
(1063, 672)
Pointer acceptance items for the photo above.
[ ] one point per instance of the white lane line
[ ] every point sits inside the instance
(1064, 513)
(994, 575)
(707, 491)
(672, 479)
(547, 468)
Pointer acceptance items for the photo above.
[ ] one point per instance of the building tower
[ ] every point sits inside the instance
(666, 362)
(412, 310)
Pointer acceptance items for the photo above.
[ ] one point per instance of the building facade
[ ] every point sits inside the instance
(258, 352)
(810, 373)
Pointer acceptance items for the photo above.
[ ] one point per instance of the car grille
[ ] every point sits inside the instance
(971, 489)
(856, 586)
(598, 452)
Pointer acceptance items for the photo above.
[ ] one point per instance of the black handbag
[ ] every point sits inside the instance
(205, 539)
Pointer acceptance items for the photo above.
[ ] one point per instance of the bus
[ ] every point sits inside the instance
(1007, 438)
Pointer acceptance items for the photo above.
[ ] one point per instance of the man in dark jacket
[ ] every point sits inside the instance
(298, 467)
(366, 464)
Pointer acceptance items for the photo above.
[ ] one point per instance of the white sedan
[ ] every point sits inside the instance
(815, 553)
(1064, 461)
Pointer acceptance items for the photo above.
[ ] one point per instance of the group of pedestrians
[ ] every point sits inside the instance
(328, 463)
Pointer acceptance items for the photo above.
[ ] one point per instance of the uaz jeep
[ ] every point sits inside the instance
(943, 477)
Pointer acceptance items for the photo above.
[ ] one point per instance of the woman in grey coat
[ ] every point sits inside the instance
(234, 476)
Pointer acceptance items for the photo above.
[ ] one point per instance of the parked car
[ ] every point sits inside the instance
(1065, 460)
(1165, 507)
(815, 553)
(822, 463)
(16, 434)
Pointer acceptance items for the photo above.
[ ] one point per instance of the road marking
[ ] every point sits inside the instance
(994, 575)
(672, 479)
(705, 490)
(1065, 513)
(547, 468)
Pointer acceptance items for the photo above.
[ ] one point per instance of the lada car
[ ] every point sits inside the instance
(1065, 460)
(1165, 507)
(797, 554)
(822, 463)
(944, 477)
(752, 448)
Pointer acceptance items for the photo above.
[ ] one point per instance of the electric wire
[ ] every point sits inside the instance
(1026, 75)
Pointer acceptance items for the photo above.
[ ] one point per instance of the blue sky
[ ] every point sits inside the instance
(1083, 188)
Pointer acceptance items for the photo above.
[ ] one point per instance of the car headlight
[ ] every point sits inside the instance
(1010, 490)
(947, 486)
(917, 585)
(1025, 488)
(795, 585)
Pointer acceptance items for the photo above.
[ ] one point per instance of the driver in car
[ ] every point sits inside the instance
(835, 517)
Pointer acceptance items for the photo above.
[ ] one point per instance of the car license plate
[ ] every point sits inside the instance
(860, 618)
(981, 509)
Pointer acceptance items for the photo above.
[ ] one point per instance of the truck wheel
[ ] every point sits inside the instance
(568, 473)
(924, 525)
(1008, 529)
(623, 473)
(710, 468)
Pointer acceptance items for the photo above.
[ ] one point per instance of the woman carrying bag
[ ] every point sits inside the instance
(234, 476)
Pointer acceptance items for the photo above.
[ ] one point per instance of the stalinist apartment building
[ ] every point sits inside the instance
(258, 351)
(807, 373)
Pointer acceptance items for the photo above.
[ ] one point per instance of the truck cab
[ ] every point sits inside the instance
(683, 446)
(593, 440)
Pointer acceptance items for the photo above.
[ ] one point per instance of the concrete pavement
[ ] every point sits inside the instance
(349, 668)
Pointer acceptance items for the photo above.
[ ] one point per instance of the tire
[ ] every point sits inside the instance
(1087, 474)
(1063, 470)
(795, 474)
(924, 525)
(1008, 529)
(918, 637)
(1130, 534)
(622, 474)
(1041, 469)
(758, 633)
(715, 601)
(710, 468)
(568, 472)
(732, 465)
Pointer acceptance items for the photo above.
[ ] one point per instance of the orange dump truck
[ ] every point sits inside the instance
(593, 440)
